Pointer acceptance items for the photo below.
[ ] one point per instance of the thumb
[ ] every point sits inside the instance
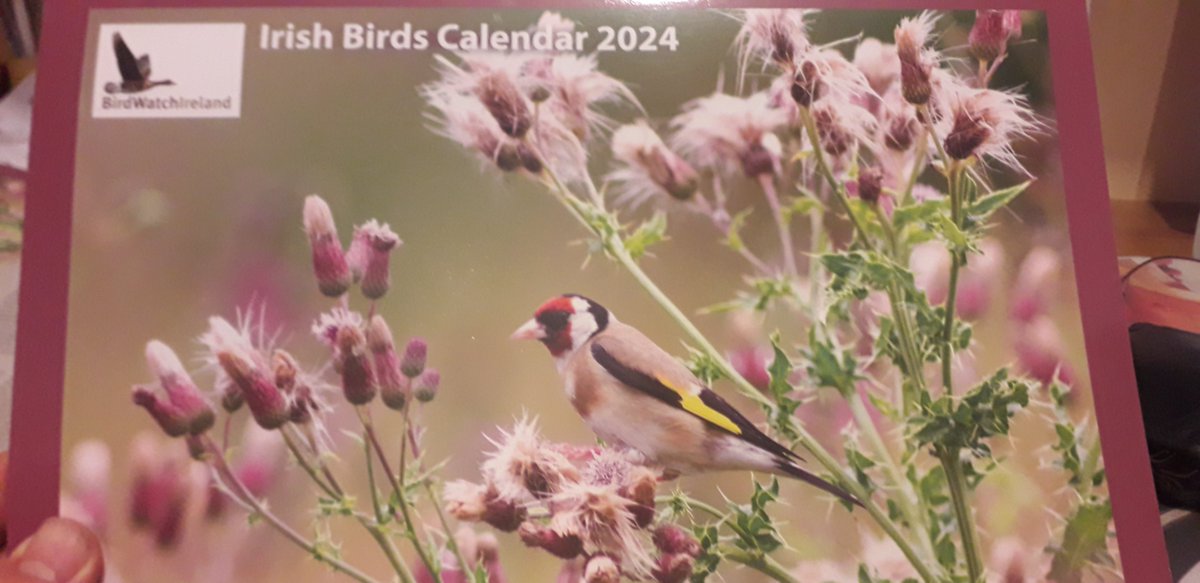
(61, 551)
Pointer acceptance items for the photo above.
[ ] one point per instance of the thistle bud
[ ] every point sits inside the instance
(293, 385)
(640, 489)
(465, 501)
(329, 262)
(508, 157)
(529, 159)
(267, 403)
(184, 406)
(916, 63)
(601, 569)
(358, 380)
(762, 156)
(499, 94)
(563, 546)
(415, 354)
(806, 84)
(394, 387)
(231, 395)
(425, 387)
(372, 259)
(671, 539)
(900, 133)
(991, 32)
(503, 515)
(870, 185)
(673, 568)
(967, 135)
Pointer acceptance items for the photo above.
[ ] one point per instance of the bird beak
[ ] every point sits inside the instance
(530, 330)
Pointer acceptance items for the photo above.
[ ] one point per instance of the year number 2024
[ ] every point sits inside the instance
(640, 38)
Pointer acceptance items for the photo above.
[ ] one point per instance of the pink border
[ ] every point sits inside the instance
(37, 402)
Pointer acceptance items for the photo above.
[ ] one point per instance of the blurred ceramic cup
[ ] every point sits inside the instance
(1162, 291)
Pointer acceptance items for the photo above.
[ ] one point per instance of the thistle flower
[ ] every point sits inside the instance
(916, 61)
(162, 486)
(772, 36)
(415, 354)
(466, 121)
(1042, 352)
(358, 379)
(730, 133)
(425, 387)
(899, 127)
(300, 388)
(576, 89)
(247, 367)
(482, 553)
(843, 126)
(523, 465)
(870, 184)
(329, 325)
(671, 539)
(492, 79)
(563, 546)
(978, 279)
(1037, 283)
(673, 568)
(471, 502)
(184, 410)
(992, 31)
(394, 387)
(329, 262)
(601, 569)
(827, 72)
(878, 62)
(605, 521)
(751, 362)
(984, 124)
(648, 168)
(369, 255)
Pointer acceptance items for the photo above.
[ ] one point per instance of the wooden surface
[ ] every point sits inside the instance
(1152, 229)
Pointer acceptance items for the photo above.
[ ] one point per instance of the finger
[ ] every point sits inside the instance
(61, 551)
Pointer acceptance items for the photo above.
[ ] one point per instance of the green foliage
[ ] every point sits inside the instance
(648, 234)
(710, 554)
(752, 524)
(953, 423)
(1084, 542)
(733, 237)
(830, 365)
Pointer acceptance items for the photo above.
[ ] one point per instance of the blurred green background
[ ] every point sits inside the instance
(177, 220)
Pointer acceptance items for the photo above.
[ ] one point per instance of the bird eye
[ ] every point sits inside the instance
(553, 320)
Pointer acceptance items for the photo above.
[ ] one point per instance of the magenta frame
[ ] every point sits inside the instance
(38, 382)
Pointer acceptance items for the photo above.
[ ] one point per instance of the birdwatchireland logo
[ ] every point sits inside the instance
(191, 70)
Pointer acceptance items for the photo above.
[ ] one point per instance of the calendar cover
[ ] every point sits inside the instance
(572, 293)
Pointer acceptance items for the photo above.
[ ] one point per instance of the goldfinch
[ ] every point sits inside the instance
(634, 394)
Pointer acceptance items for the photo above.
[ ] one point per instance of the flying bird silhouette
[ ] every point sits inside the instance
(135, 71)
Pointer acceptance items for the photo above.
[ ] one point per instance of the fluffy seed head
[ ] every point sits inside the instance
(992, 31)
(648, 168)
(605, 521)
(730, 133)
(563, 546)
(879, 62)
(984, 123)
(772, 36)
(870, 184)
(601, 569)
(523, 466)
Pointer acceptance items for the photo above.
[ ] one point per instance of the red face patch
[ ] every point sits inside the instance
(555, 319)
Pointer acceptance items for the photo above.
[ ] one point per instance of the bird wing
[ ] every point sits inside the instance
(638, 363)
(126, 62)
(143, 63)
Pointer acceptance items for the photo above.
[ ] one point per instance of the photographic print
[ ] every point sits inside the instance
(448, 295)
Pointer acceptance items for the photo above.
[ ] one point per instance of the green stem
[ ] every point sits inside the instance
(956, 179)
(957, 483)
(907, 499)
(385, 542)
(782, 224)
(247, 500)
(436, 500)
(398, 489)
(762, 563)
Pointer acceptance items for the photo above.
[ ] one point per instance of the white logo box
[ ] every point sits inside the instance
(203, 60)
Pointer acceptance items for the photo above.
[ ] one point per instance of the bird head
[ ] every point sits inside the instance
(564, 323)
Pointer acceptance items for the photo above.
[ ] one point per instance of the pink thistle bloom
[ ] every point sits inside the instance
(930, 265)
(1036, 286)
(358, 378)
(394, 387)
(493, 80)
(772, 36)
(329, 324)
(827, 73)
(575, 89)
(248, 368)
(524, 466)
(260, 462)
(426, 385)
(916, 60)
(90, 472)
(184, 411)
(673, 568)
(471, 502)
(730, 133)
(984, 123)
(751, 362)
(605, 521)
(1042, 352)
(843, 126)
(465, 120)
(992, 31)
(160, 492)
(565, 547)
(648, 169)
(978, 279)
(879, 62)
(601, 569)
(672, 539)
(369, 256)
(416, 352)
(329, 262)
(479, 550)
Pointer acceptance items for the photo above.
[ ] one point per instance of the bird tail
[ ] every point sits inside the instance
(788, 468)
